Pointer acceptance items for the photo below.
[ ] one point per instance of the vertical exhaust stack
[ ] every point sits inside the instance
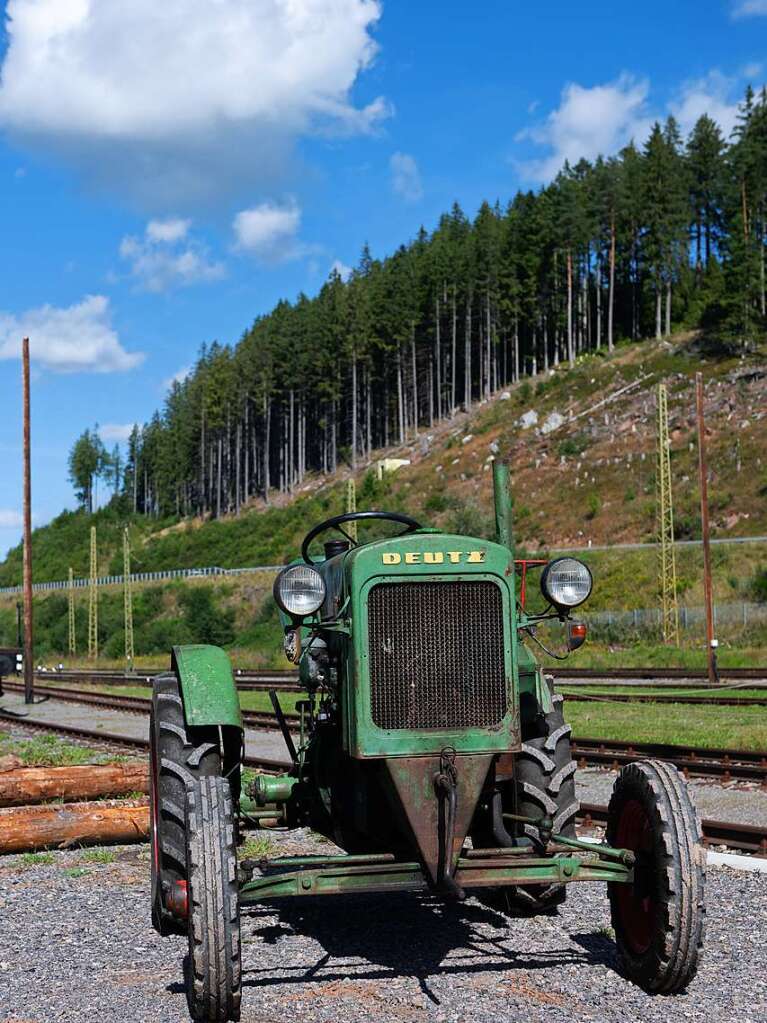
(503, 511)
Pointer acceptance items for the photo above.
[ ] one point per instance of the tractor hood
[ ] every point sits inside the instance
(433, 646)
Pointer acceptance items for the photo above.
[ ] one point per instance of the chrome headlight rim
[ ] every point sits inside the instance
(546, 590)
(303, 607)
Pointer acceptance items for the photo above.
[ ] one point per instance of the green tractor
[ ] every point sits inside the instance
(432, 750)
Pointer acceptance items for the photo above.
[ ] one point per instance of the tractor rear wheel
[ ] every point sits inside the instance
(214, 971)
(178, 756)
(545, 784)
(659, 919)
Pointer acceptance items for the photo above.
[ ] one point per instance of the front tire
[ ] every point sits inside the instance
(214, 970)
(178, 757)
(659, 920)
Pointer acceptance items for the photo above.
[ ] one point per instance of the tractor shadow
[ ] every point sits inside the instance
(369, 938)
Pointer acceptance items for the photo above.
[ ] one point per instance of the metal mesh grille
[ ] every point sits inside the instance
(436, 655)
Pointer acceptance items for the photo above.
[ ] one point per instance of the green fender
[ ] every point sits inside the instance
(207, 685)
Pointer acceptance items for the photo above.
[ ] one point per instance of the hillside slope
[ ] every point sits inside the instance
(581, 445)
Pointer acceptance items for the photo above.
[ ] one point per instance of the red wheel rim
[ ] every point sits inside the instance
(636, 904)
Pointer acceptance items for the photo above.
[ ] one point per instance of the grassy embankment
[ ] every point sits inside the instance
(593, 480)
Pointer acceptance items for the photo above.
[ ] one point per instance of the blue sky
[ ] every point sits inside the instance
(170, 171)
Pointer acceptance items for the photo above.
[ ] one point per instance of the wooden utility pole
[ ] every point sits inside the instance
(711, 643)
(351, 506)
(28, 643)
(93, 602)
(127, 602)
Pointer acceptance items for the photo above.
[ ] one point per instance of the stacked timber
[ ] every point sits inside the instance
(83, 814)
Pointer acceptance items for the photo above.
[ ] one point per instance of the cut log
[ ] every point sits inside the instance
(21, 786)
(61, 825)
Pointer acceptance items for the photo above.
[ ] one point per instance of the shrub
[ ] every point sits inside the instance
(759, 585)
(206, 622)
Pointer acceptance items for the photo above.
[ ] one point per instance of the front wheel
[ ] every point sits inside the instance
(659, 919)
(214, 969)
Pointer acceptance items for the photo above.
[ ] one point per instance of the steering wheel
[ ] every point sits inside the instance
(337, 521)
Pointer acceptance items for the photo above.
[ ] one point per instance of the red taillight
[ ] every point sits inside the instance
(576, 635)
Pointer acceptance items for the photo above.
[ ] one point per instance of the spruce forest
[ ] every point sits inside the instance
(667, 236)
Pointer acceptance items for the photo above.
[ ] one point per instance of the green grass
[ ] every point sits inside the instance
(37, 859)
(49, 751)
(258, 848)
(643, 654)
(75, 872)
(679, 724)
(98, 856)
(713, 695)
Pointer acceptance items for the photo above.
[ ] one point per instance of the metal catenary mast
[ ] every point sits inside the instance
(93, 602)
(667, 559)
(71, 613)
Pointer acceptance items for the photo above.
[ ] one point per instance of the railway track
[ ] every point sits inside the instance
(723, 764)
(743, 837)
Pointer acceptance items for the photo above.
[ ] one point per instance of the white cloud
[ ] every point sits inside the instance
(171, 230)
(341, 269)
(269, 231)
(749, 8)
(165, 98)
(119, 432)
(177, 378)
(164, 257)
(78, 338)
(10, 519)
(752, 70)
(715, 95)
(589, 121)
(405, 177)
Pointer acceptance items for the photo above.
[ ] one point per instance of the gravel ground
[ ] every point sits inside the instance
(739, 802)
(77, 946)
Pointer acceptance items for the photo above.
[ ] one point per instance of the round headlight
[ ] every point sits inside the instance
(299, 590)
(566, 582)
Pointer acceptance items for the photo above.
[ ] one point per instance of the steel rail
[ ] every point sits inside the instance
(748, 838)
(726, 764)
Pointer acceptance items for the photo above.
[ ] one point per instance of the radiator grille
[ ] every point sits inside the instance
(436, 655)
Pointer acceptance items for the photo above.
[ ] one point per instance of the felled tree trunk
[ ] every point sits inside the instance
(60, 825)
(21, 786)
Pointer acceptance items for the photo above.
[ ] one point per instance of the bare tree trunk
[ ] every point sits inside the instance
(467, 357)
(400, 397)
(368, 413)
(438, 361)
(668, 307)
(611, 293)
(238, 452)
(452, 357)
(267, 444)
(219, 459)
(570, 345)
(658, 318)
(415, 378)
(354, 410)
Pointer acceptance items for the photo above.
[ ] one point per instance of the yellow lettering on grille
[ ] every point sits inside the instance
(476, 557)
(433, 557)
(412, 558)
(455, 556)
(391, 558)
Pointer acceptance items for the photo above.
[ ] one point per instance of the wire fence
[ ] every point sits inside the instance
(142, 577)
(740, 615)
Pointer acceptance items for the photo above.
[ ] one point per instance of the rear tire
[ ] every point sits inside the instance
(545, 781)
(178, 756)
(659, 920)
(214, 970)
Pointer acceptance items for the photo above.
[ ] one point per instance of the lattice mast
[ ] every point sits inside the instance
(128, 601)
(351, 506)
(71, 613)
(667, 557)
(93, 602)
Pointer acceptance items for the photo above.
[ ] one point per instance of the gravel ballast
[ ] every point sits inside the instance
(77, 946)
